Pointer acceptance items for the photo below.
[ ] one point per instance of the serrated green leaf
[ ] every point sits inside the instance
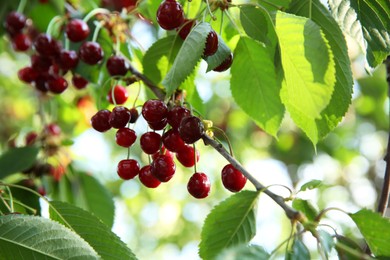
(342, 94)
(222, 53)
(309, 70)
(222, 229)
(187, 57)
(306, 207)
(91, 229)
(166, 47)
(375, 230)
(247, 252)
(254, 85)
(33, 237)
(313, 184)
(298, 251)
(17, 159)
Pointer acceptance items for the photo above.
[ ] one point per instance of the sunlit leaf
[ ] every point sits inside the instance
(299, 251)
(306, 207)
(313, 184)
(247, 252)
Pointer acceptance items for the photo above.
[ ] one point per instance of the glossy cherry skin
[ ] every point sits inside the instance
(120, 4)
(232, 179)
(158, 125)
(91, 53)
(154, 110)
(191, 129)
(147, 179)
(186, 156)
(57, 85)
(79, 82)
(68, 60)
(120, 95)
(15, 22)
(162, 151)
(199, 185)
(170, 15)
(119, 117)
(176, 114)
(21, 42)
(31, 138)
(211, 44)
(40, 82)
(128, 169)
(172, 141)
(116, 66)
(47, 46)
(185, 28)
(27, 74)
(100, 121)
(134, 115)
(77, 30)
(150, 142)
(163, 168)
(225, 65)
(125, 137)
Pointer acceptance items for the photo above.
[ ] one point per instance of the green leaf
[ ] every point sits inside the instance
(91, 229)
(342, 95)
(309, 70)
(306, 207)
(311, 185)
(17, 159)
(166, 47)
(375, 230)
(222, 229)
(222, 53)
(31, 237)
(327, 241)
(254, 85)
(187, 58)
(344, 246)
(42, 21)
(251, 252)
(298, 251)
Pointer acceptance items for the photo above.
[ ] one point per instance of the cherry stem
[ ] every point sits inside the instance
(128, 153)
(225, 137)
(117, 44)
(97, 30)
(193, 145)
(209, 9)
(52, 22)
(324, 211)
(138, 93)
(271, 4)
(21, 6)
(95, 12)
(113, 94)
(11, 199)
(6, 204)
(34, 211)
(233, 22)
(220, 27)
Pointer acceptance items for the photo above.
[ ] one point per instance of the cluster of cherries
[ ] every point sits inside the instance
(170, 16)
(181, 131)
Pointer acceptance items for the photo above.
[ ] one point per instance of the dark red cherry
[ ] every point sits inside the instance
(117, 66)
(27, 74)
(191, 129)
(199, 185)
(146, 177)
(77, 30)
(162, 151)
(225, 64)
(47, 46)
(125, 137)
(150, 142)
(100, 121)
(232, 178)
(120, 117)
(79, 82)
(128, 169)
(31, 137)
(40, 82)
(176, 114)
(91, 53)
(120, 95)
(15, 22)
(211, 44)
(40, 63)
(57, 85)
(134, 115)
(185, 28)
(170, 15)
(154, 110)
(158, 125)
(21, 42)
(186, 156)
(68, 60)
(163, 168)
(172, 141)
(53, 129)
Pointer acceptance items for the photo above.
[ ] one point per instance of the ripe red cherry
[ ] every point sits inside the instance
(232, 178)
(225, 64)
(79, 82)
(21, 42)
(47, 46)
(68, 60)
(27, 74)
(120, 95)
(119, 117)
(125, 137)
(30, 138)
(162, 151)
(172, 141)
(186, 156)
(211, 44)
(158, 125)
(150, 142)
(91, 53)
(117, 66)
(53, 129)
(170, 15)
(120, 4)
(40, 82)
(57, 85)
(100, 121)
(128, 169)
(134, 115)
(176, 114)
(14, 22)
(163, 167)
(199, 185)
(77, 30)
(191, 129)
(40, 63)
(147, 179)
(154, 110)
(185, 28)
